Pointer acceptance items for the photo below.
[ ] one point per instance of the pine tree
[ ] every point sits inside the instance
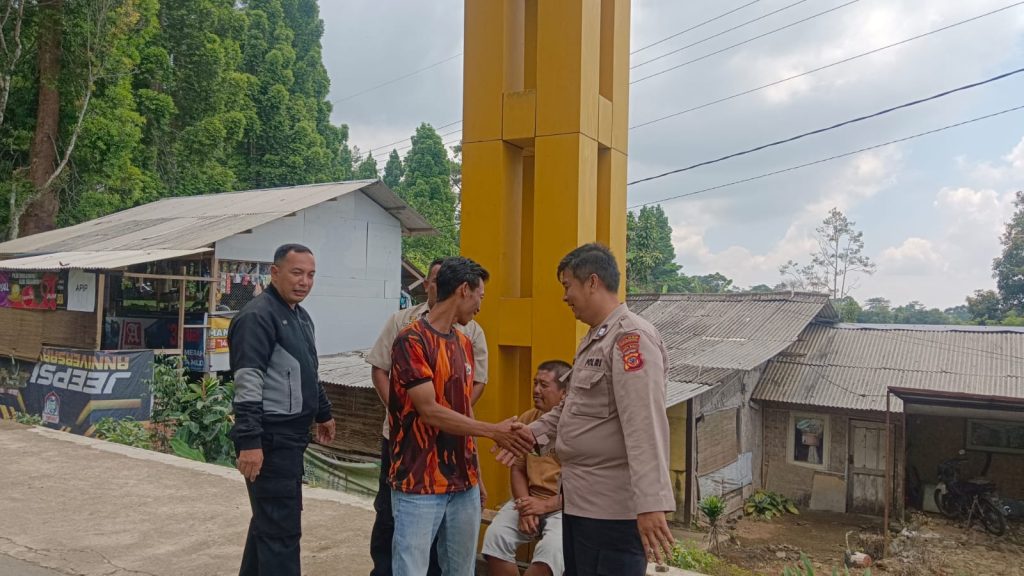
(393, 170)
(650, 255)
(427, 188)
(367, 169)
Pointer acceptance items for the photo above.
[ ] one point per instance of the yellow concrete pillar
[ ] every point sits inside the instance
(545, 127)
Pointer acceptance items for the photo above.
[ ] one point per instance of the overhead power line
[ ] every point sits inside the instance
(820, 68)
(403, 140)
(722, 33)
(694, 27)
(401, 148)
(398, 79)
(823, 160)
(835, 126)
(747, 41)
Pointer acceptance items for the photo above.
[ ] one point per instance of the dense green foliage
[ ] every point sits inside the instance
(766, 505)
(426, 184)
(127, 431)
(184, 97)
(193, 418)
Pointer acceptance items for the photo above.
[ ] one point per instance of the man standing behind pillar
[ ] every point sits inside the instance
(611, 432)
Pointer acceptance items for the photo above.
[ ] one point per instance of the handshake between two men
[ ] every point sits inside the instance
(512, 440)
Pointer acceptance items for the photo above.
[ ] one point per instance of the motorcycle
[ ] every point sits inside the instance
(968, 499)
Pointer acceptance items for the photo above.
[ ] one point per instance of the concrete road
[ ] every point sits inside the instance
(73, 505)
(14, 567)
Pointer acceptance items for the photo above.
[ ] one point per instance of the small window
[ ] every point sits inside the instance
(808, 440)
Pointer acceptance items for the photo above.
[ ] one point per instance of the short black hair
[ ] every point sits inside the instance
(436, 262)
(590, 259)
(457, 271)
(284, 250)
(557, 367)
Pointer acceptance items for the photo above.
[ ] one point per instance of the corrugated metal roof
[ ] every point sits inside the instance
(709, 336)
(189, 222)
(104, 260)
(851, 367)
(346, 369)
(678, 392)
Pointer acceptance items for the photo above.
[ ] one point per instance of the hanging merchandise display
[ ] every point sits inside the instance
(240, 282)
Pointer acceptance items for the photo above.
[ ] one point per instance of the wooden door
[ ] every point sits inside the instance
(866, 476)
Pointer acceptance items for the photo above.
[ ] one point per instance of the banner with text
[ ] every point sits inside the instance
(73, 389)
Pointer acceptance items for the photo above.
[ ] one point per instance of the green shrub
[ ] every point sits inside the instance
(194, 418)
(766, 505)
(712, 507)
(689, 557)
(805, 568)
(28, 419)
(127, 431)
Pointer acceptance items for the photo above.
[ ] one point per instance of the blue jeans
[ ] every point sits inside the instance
(453, 518)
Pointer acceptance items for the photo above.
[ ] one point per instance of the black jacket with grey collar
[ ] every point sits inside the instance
(273, 356)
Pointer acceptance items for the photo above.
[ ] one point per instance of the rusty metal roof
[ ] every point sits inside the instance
(191, 222)
(710, 336)
(346, 369)
(851, 366)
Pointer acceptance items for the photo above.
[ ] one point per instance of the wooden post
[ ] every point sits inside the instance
(214, 284)
(888, 475)
(181, 311)
(101, 300)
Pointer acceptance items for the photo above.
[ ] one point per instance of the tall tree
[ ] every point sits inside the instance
(848, 309)
(427, 188)
(650, 255)
(367, 169)
(876, 310)
(837, 261)
(79, 50)
(393, 170)
(985, 307)
(1008, 267)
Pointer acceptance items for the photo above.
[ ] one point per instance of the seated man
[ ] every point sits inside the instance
(536, 506)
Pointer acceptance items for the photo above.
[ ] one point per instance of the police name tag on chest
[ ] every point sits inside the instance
(592, 362)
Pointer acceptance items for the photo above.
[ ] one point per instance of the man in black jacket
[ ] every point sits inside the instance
(277, 396)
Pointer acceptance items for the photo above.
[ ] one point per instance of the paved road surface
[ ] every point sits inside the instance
(75, 505)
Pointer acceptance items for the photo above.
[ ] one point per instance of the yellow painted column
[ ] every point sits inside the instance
(545, 127)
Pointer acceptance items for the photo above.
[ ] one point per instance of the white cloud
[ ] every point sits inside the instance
(914, 257)
(1016, 156)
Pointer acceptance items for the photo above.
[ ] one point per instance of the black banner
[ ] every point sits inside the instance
(73, 389)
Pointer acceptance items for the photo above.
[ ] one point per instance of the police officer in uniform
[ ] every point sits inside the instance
(611, 431)
(277, 397)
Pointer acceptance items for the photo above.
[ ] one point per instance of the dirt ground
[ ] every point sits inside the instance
(931, 545)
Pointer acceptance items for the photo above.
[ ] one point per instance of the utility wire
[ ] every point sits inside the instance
(821, 161)
(694, 27)
(747, 41)
(820, 68)
(399, 149)
(398, 79)
(835, 126)
(793, 77)
(713, 36)
(403, 140)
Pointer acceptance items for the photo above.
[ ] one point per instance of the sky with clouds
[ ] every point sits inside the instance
(931, 209)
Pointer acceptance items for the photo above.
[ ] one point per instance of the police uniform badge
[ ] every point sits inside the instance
(629, 346)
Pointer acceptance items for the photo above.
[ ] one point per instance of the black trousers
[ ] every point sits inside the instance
(383, 532)
(602, 547)
(272, 545)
